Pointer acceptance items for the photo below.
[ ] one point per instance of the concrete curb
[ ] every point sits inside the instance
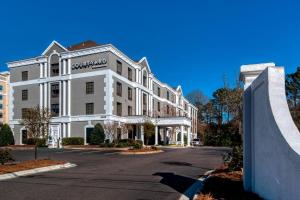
(96, 148)
(35, 171)
(140, 153)
(192, 191)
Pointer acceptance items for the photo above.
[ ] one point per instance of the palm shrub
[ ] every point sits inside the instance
(97, 136)
(6, 136)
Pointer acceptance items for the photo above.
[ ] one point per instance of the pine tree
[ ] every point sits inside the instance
(97, 136)
(6, 136)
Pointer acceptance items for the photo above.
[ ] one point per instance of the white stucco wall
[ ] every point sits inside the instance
(271, 139)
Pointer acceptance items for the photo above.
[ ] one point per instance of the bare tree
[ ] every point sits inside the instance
(36, 121)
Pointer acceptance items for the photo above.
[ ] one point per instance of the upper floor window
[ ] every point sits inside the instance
(1, 106)
(168, 95)
(119, 67)
(158, 106)
(24, 75)
(129, 110)
(158, 91)
(144, 79)
(24, 95)
(119, 89)
(54, 65)
(1, 87)
(55, 90)
(24, 112)
(89, 87)
(55, 69)
(1, 96)
(129, 93)
(89, 108)
(119, 109)
(129, 74)
(168, 109)
(55, 109)
(185, 106)
(144, 99)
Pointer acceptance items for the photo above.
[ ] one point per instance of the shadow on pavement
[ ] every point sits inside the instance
(177, 182)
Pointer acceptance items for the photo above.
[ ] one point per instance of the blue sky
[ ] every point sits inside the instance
(191, 43)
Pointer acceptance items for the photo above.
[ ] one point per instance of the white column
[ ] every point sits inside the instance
(64, 67)
(45, 95)
(64, 97)
(45, 69)
(142, 134)
(189, 136)
(156, 135)
(176, 133)
(69, 130)
(41, 70)
(64, 130)
(182, 135)
(41, 95)
(60, 99)
(69, 98)
(49, 96)
(69, 66)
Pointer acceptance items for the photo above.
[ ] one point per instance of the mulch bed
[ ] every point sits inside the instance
(224, 184)
(142, 150)
(26, 165)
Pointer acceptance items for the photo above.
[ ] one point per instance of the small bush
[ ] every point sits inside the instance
(6, 136)
(5, 156)
(138, 144)
(234, 159)
(40, 142)
(97, 136)
(73, 141)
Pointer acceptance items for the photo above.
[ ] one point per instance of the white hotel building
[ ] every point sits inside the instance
(89, 83)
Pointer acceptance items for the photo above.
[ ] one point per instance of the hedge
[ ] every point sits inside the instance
(73, 141)
(5, 156)
(6, 136)
(40, 142)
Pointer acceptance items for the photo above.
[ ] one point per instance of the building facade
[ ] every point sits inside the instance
(89, 83)
(4, 97)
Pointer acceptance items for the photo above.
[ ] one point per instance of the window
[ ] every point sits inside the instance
(119, 109)
(55, 109)
(129, 93)
(24, 112)
(158, 106)
(185, 106)
(24, 95)
(129, 74)
(89, 87)
(1, 96)
(119, 133)
(1, 106)
(24, 75)
(144, 99)
(168, 109)
(55, 90)
(158, 91)
(1, 87)
(119, 67)
(1, 115)
(119, 89)
(168, 95)
(55, 69)
(145, 80)
(129, 110)
(89, 108)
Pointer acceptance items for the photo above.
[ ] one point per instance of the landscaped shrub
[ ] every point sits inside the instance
(40, 142)
(97, 135)
(138, 144)
(234, 159)
(6, 136)
(5, 156)
(73, 141)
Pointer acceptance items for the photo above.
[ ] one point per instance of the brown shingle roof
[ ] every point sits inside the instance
(83, 45)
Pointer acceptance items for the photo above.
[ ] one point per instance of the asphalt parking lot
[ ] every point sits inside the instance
(108, 175)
